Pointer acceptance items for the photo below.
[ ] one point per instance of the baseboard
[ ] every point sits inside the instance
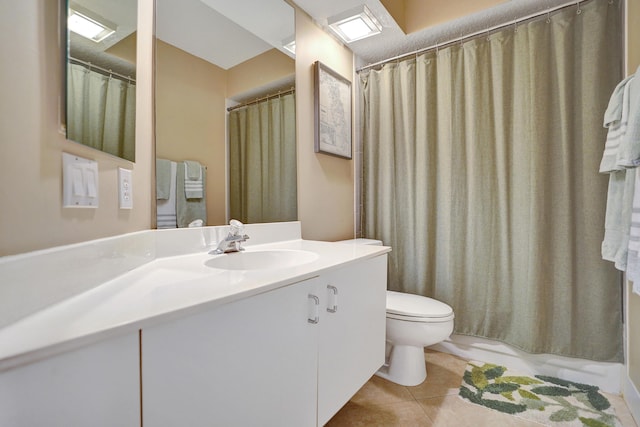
(632, 398)
(607, 376)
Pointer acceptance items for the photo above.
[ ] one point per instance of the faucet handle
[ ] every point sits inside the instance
(236, 227)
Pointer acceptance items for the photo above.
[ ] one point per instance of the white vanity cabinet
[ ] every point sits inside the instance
(352, 332)
(288, 357)
(245, 363)
(96, 385)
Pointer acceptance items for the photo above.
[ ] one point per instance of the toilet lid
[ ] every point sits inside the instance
(411, 305)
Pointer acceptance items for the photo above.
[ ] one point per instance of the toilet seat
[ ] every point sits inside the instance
(417, 308)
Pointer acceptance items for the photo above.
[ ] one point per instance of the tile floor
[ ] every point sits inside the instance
(434, 403)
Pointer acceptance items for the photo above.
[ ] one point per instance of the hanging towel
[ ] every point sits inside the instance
(633, 256)
(166, 208)
(193, 182)
(618, 217)
(189, 209)
(163, 179)
(615, 120)
(615, 244)
(629, 151)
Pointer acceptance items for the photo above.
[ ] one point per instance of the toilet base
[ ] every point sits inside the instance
(405, 366)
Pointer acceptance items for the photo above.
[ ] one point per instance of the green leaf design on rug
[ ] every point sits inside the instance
(519, 380)
(494, 372)
(478, 378)
(598, 401)
(551, 391)
(590, 422)
(546, 400)
(566, 383)
(501, 388)
(508, 395)
(566, 414)
(528, 395)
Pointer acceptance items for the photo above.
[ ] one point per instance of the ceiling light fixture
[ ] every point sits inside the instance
(88, 27)
(355, 24)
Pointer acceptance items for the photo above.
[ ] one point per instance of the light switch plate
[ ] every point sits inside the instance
(79, 182)
(125, 189)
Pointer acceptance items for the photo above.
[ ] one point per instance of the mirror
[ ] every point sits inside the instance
(212, 55)
(101, 75)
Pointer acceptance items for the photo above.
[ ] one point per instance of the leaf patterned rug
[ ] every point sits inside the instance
(547, 400)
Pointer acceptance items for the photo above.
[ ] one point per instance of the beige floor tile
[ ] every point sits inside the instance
(401, 414)
(444, 375)
(434, 403)
(381, 391)
(622, 411)
(448, 411)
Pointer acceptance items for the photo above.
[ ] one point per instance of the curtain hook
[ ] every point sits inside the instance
(579, 11)
(548, 16)
(437, 47)
(515, 25)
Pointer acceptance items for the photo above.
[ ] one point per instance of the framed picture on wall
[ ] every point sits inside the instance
(332, 98)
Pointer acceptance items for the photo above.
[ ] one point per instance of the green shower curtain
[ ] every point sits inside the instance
(480, 169)
(101, 111)
(262, 161)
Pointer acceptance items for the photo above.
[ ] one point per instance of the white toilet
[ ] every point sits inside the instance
(413, 322)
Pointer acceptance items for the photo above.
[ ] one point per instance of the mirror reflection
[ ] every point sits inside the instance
(225, 112)
(101, 75)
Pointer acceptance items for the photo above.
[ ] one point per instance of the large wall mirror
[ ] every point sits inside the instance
(101, 75)
(225, 112)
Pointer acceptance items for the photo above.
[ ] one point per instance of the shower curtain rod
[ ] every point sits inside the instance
(264, 98)
(547, 12)
(104, 70)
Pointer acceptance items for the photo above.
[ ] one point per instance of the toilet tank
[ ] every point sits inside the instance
(363, 242)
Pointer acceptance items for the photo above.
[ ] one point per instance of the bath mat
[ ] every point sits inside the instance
(546, 400)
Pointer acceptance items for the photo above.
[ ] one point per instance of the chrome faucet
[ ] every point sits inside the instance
(233, 241)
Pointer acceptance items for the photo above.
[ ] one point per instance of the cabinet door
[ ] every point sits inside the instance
(246, 363)
(352, 332)
(96, 385)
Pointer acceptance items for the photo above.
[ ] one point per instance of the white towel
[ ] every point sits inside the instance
(617, 160)
(618, 217)
(193, 188)
(633, 256)
(166, 208)
(616, 120)
(629, 151)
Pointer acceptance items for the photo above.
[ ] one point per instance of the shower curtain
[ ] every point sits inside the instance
(101, 111)
(262, 161)
(480, 169)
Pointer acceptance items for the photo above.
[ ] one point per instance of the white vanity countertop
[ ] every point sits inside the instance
(159, 291)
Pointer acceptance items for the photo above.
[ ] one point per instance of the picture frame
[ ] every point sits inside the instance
(333, 112)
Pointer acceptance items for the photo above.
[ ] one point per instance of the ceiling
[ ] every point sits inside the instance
(393, 41)
(223, 33)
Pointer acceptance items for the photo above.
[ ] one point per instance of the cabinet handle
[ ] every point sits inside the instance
(333, 299)
(314, 309)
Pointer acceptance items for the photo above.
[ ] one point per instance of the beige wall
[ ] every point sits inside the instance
(259, 71)
(31, 212)
(190, 119)
(633, 317)
(397, 10)
(325, 183)
(125, 48)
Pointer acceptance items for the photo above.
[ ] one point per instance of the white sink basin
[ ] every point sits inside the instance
(261, 260)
